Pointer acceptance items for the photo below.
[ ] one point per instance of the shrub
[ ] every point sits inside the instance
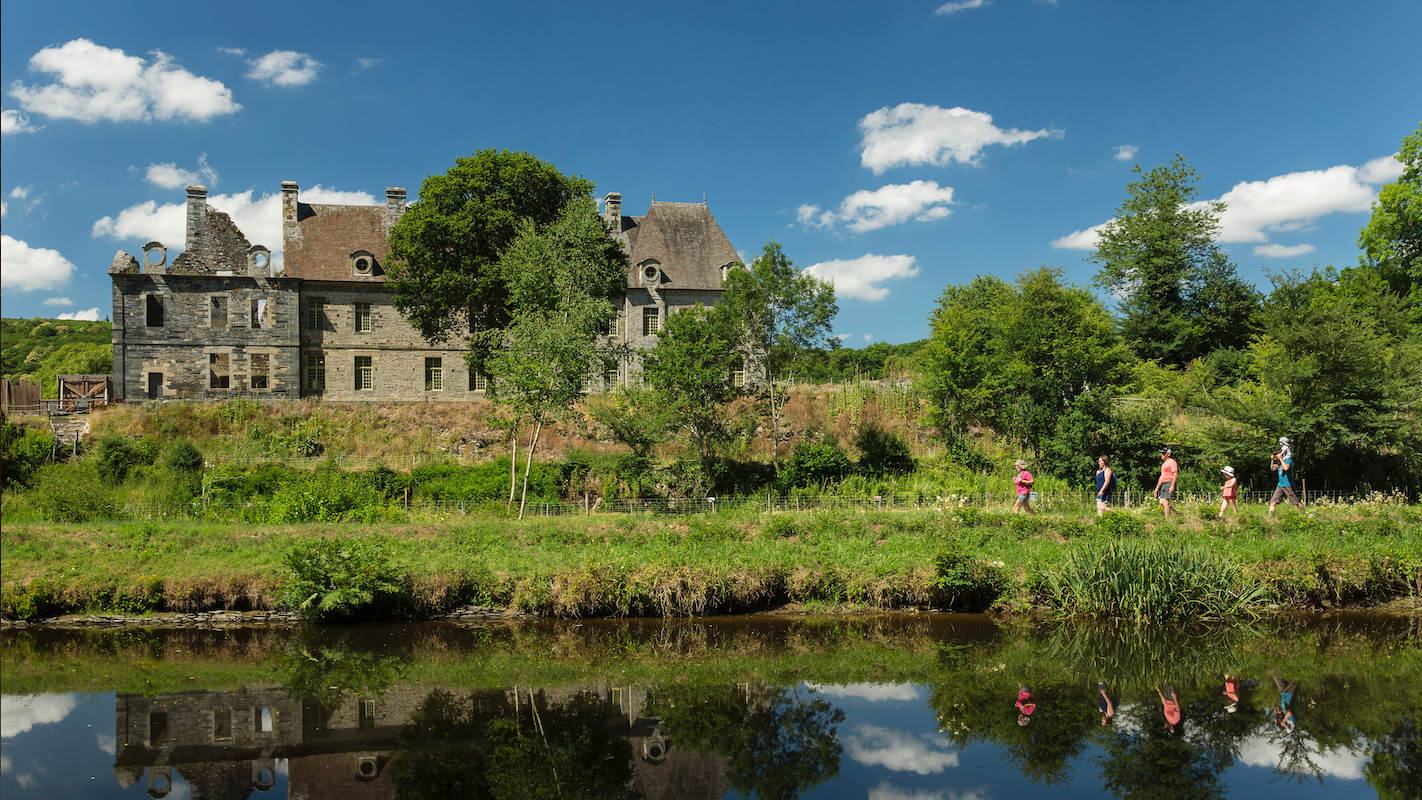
(1149, 580)
(328, 495)
(815, 463)
(880, 452)
(452, 483)
(24, 451)
(72, 493)
(181, 456)
(332, 580)
(117, 455)
(964, 583)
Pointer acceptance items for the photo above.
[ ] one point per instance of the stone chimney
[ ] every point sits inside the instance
(394, 202)
(197, 216)
(612, 211)
(290, 230)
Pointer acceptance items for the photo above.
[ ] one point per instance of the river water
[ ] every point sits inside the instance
(892, 707)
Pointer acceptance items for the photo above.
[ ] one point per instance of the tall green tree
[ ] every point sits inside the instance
(1179, 294)
(1392, 239)
(785, 314)
(561, 279)
(443, 269)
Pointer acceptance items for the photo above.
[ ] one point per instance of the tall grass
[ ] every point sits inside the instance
(1150, 580)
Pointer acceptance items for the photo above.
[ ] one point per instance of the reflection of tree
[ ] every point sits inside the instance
(474, 747)
(1395, 770)
(1298, 759)
(328, 671)
(777, 742)
(1153, 764)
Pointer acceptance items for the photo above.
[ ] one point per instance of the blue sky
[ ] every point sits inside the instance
(894, 147)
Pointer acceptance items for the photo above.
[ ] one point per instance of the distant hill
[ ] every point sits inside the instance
(39, 349)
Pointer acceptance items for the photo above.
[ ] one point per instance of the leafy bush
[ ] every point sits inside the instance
(964, 583)
(328, 495)
(72, 493)
(453, 483)
(815, 463)
(118, 455)
(1149, 580)
(332, 580)
(181, 456)
(24, 451)
(880, 452)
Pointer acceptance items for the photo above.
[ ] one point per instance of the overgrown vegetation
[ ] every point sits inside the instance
(38, 350)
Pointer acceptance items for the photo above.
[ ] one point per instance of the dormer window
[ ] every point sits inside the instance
(362, 263)
(651, 273)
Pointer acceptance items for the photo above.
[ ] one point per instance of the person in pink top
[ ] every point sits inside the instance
(1165, 485)
(1024, 704)
(1230, 489)
(1023, 482)
(1171, 706)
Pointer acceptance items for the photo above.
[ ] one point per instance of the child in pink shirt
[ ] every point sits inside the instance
(1023, 482)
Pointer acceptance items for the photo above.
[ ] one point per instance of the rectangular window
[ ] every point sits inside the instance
(222, 724)
(219, 370)
(362, 318)
(609, 379)
(264, 718)
(614, 325)
(217, 316)
(157, 728)
(261, 367)
(155, 310)
(651, 321)
(434, 375)
(738, 373)
(367, 713)
(478, 382)
(155, 385)
(364, 373)
(316, 372)
(316, 314)
(259, 314)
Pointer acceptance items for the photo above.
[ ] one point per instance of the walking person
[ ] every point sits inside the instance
(1023, 482)
(1171, 707)
(1105, 484)
(1104, 704)
(1282, 463)
(1024, 704)
(1284, 712)
(1165, 484)
(1229, 490)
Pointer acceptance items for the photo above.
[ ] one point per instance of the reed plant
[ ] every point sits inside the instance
(1150, 581)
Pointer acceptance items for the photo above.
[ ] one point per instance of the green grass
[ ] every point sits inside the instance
(625, 565)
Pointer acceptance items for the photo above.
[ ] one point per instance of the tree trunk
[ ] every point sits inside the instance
(774, 429)
(528, 464)
(513, 463)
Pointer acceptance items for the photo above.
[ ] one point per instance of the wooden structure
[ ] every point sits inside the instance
(21, 397)
(81, 392)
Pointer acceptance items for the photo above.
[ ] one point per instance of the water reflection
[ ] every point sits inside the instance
(927, 708)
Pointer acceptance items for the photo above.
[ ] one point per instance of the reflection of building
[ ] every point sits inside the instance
(231, 744)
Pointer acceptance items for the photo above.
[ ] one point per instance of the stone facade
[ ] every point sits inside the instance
(221, 321)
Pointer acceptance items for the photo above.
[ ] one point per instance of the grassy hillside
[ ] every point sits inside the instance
(39, 349)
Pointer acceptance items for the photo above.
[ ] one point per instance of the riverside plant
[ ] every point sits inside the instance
(1149, 580)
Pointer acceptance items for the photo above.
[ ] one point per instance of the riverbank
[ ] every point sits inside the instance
(627, 565)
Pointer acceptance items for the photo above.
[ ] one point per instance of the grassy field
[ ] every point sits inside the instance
(631, 565)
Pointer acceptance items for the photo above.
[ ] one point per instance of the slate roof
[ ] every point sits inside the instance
(685, 239)
(329, 234)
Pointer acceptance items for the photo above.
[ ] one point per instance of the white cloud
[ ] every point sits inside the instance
(1383, 169)
(1288, 202)
(28, 268)
(842, 337)
(1126, 152)
(170, 176)
(232, 51)
(87, 315)
(20, 713)
(367, 63)
(899, 751)
(20, 192)
(4, 208)
(1264, 750)
(94, 83)
(874, 692)
(58, 301)
(13, 121)
(859, 277)
(1283, 250)
(959, 5)
(258, 217)
(107, 742)
(893, 204)
(284, 68)
(914, 133)
(868, 338)
(887, 791)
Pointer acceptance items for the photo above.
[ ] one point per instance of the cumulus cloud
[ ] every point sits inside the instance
(58, 301)
(1266, 750)
(1290, 202)
(20, 192)
(257, 216)
(93, 83)
(13, 121)
(107, 742)
(284, 68)
(20, 713)
(874, 692)
(859, 278)
(914, 133)
(1126, 152)
(959, 6)
(893, 204)
(28, 268)
(87, 315)
(367, 63)
(1283, 250)
(887, 791)
(170, 176)
(899, 751)
(1383, 169)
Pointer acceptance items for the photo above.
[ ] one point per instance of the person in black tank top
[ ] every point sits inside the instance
(1105, 484)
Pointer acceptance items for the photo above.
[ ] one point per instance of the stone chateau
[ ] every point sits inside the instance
(220, 320)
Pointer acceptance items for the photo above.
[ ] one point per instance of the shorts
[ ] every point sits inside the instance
(1167, 490)
(1282, 492)
(1104, 498)
(1024, 497)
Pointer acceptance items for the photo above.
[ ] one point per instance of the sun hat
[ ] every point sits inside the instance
(1165, 451)
(1228, 471)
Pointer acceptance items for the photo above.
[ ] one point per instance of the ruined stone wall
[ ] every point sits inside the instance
(218, 247)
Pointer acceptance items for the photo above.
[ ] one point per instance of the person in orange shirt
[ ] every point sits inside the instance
(1171, 706)
(1165, 485)
(1230, 489)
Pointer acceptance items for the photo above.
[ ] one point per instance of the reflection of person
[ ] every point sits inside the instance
(1105, 484)
(1231, 690)
(1282, 463)
(1024, 705)
(1284, 712)
(1104, 704)
(1165, 484)
(1229, 490)
(1023, 482)
(1171, 706)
